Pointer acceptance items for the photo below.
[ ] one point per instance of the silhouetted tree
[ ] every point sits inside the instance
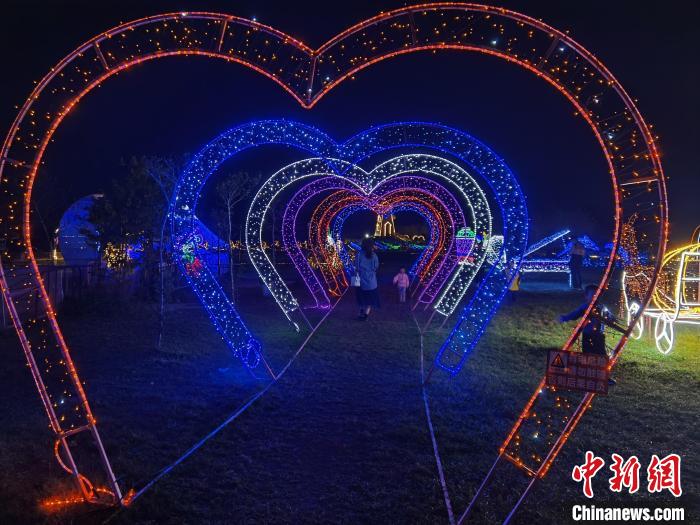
(232, 190)
(131, 214)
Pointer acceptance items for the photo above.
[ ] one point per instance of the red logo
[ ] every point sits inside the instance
(626, 474)
(587, 472)
(662, 474)
(665, 474)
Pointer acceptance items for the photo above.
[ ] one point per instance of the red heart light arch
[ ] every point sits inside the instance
(307, 75)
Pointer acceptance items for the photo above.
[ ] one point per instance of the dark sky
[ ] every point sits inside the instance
(172, 106)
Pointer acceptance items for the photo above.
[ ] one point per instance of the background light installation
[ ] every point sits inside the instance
(307, 75)
(545, 264)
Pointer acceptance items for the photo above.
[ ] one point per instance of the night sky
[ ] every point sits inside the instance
(176, 105)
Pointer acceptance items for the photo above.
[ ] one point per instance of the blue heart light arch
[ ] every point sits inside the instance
(342, 159)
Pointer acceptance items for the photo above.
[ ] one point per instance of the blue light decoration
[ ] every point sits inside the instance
(187, 245)
(546, 241)
(344, 160)
(588, 243)
(559, 264)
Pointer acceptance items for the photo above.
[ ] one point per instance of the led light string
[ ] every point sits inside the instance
(289, 237)
(636, 278)
(262, 200)
(545, 242)
(676, 296)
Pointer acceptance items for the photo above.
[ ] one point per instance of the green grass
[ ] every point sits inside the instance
(342, 437)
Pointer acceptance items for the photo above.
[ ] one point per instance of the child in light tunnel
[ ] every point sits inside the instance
(401, 281)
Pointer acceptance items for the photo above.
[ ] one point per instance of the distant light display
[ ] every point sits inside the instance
(384, 200)
(547, 264)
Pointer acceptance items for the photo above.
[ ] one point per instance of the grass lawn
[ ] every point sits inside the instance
(342, 436)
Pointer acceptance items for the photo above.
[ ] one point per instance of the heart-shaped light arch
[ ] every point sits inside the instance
(476, 205)
(427, 215)
(449, 141)
(313, 188)
(318, 186)
(307, 75)
(443, 229)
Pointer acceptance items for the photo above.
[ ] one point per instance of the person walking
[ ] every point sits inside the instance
(401, 281)
(366, 265)
(578, 252)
